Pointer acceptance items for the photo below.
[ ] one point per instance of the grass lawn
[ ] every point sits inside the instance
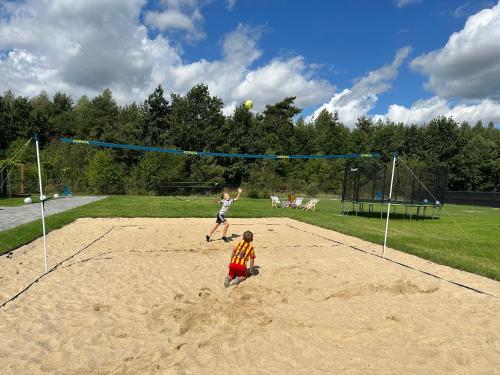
(441, 241)
(17, 201)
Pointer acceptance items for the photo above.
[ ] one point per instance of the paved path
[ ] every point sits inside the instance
(11, 217)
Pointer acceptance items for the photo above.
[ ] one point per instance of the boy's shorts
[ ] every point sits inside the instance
(220, 219)
(237, 270)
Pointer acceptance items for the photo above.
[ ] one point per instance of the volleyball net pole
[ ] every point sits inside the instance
(42, 200)
(394, 156)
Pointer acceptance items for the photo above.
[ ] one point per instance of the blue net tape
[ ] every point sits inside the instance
(214, 154)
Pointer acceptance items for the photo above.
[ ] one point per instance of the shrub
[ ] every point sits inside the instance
(104, 175)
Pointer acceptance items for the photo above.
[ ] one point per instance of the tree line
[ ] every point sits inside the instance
(195, 121)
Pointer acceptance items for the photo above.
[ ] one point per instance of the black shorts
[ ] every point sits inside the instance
(220, 219)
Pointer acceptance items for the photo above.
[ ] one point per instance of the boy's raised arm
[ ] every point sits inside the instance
(238, 196)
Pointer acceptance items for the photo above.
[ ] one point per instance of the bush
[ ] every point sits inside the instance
(67, 165)
(312, 189)
(155, 171)
(104, 175)
(264, 181)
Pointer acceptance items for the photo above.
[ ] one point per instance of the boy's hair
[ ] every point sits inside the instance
(248, 236)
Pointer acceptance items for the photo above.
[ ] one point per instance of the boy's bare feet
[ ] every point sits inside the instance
(236, 280)
(227, 281)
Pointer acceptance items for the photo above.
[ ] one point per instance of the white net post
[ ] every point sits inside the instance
(42, 199)
(389, 204)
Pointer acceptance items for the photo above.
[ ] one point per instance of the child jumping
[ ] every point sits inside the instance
(239, 257)
(225, 202)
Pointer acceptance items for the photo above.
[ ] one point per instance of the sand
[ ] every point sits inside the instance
(147, 296)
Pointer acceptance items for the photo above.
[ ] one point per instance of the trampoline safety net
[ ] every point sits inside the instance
(369, 181)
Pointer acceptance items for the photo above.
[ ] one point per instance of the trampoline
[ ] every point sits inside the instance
(417, 193)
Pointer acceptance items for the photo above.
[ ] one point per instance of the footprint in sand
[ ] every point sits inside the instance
(157, 318)
(99, 307)
(263, 319)
(401, 287)
(205, 292)
(195, 319)
(297, 271)
(392, 318)
(407, 287)
(178, 314)
(202, 344)
(179, 346)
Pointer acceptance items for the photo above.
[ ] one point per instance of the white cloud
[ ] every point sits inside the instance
(282, 78)
(80, 47)
(178, 15)
(403, 3)
(468, 66)
(171, 19)
(230, 4)
(471, 7)
(233, 80)
(84, 47)
(423, 111)
(363, 95)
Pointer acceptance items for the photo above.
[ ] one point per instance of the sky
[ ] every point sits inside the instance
(402, 60)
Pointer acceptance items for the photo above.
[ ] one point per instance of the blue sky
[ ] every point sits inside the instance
(386, 58)
(350, 38)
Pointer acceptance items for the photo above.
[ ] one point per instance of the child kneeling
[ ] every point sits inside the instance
(239, 257)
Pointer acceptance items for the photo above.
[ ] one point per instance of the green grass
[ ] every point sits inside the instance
(440, 241)
(17, 201)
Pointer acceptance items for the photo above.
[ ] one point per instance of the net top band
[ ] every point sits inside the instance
(213, 154)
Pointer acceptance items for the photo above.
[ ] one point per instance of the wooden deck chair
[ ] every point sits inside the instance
(275, 202)
(311, 205)
(297, 203)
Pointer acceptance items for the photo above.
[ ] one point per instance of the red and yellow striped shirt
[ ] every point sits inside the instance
(242, 252)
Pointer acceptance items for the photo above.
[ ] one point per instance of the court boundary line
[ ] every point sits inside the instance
(26, 288)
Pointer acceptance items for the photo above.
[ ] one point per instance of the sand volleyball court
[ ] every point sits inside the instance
(146, 296)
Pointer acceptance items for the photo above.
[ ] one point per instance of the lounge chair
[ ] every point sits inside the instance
(297, 203)
(311, 205)
(275, 202)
